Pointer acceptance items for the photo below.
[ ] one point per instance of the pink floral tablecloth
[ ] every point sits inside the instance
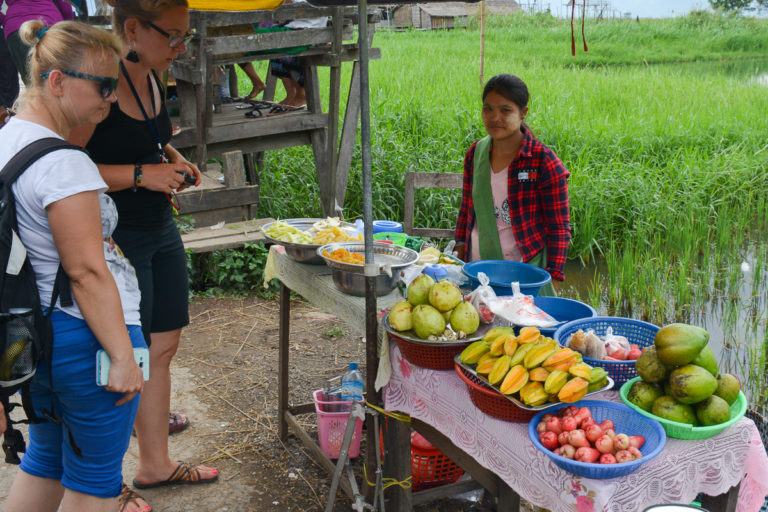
(677, 475)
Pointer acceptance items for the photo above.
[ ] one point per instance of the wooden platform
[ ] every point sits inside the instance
(228, 236)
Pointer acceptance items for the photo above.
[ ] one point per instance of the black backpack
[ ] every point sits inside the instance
(26, 334)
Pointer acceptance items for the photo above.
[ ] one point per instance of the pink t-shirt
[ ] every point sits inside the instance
(509, 248)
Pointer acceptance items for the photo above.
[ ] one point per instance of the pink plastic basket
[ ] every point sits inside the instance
(331, 427)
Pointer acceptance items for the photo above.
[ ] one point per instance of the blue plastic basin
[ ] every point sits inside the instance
(502, 273)
(562, 310)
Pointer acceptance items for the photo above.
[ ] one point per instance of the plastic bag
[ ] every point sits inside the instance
(616, 346)
(587, 343)
(481, 296)
(519, 309)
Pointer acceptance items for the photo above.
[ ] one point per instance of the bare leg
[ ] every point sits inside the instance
(290, 90)
(155, 463)
(300, 98)
(30, 492)
(258, 85)
(78, 502)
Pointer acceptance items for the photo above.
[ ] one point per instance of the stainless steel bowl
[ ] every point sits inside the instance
(349, 277)
(304, 253)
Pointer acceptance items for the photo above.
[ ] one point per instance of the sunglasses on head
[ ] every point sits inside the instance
(173, 41)
(107, 84)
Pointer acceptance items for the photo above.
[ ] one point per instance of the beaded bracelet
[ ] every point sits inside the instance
(136, 177)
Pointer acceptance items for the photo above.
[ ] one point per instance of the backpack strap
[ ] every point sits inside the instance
(19, 163)
(30, 153)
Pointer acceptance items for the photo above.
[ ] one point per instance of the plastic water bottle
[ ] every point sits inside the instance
(352, 384)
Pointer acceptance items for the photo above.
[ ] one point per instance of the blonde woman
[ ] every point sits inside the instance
(63, 218)
(131, 147)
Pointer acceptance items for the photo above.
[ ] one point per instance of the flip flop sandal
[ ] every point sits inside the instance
(282, 109)
(128, 496)
(245, 106)
(261, 103)
(177, 423)
(254, 114)
(183, 474)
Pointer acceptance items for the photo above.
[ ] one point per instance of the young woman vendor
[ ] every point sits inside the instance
(514, 204)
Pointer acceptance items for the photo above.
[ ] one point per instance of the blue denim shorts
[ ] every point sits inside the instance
(100, 429)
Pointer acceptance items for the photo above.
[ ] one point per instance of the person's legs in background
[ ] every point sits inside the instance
(19, 52)
(258, 84)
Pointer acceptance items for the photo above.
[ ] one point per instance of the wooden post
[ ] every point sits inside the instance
(318, 138)
(233, 169)
(282, 370)
(202, 96)
(348, 134)
(334, 100)
(397, 463)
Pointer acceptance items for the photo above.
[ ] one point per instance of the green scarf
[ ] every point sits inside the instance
(482, 197)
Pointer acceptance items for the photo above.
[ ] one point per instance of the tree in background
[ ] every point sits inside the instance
(739, 5)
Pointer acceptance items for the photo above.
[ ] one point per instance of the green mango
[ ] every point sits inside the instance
(644, 394)
(728, 387)
(679, 344)
(706, 359)
(670, 409)
(690, 384)
(713, 411)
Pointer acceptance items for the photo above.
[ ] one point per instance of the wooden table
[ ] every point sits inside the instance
(315, 284)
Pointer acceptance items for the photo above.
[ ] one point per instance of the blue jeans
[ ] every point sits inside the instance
(100, 429)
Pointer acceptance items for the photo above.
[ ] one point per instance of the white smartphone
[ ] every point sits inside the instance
(103, 362)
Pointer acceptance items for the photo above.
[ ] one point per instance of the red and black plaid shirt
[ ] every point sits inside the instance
(538, 205)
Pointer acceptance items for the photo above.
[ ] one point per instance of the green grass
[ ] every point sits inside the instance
(661, 125)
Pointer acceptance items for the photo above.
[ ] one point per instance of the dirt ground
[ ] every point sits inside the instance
(225, 379)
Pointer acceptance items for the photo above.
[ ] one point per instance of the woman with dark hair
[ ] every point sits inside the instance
(143, 170)
(514, 204)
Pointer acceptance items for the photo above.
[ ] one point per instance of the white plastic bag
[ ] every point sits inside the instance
(616, 346)
(587, 343)
(481, 296)
(519, 309)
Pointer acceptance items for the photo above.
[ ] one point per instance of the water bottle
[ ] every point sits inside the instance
(16, 356)
(352, 384)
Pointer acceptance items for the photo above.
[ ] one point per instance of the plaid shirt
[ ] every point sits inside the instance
(538, 204)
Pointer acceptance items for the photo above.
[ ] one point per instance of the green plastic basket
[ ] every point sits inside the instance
(685, 430)
(395, 238)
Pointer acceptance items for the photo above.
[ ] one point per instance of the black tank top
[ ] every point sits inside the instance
(121, 139)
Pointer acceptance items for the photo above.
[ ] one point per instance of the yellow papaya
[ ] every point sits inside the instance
(538, 355)
(574, 390)
(499, 370)
(555, 381)
(516, 378)
(520, 353)
(474, 351)
(485, 365)
(582, 370)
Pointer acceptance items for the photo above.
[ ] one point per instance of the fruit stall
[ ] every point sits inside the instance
(592, 413)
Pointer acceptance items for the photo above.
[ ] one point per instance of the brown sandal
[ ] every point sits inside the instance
(127, 496)
(184, 473)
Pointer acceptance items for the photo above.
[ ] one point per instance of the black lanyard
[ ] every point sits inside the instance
(153, 124)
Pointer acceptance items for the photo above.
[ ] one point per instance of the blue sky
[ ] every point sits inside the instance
(658, 8)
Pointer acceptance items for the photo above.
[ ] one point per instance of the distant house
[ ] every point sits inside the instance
(445, 14)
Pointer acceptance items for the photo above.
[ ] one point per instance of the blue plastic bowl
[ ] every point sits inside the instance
(562, 310)
(627, 422)
(502, 273)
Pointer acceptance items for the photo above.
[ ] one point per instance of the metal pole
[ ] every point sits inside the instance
(371, 270)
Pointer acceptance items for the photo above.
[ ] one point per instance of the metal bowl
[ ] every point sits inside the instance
(304, 253)
(349, 278)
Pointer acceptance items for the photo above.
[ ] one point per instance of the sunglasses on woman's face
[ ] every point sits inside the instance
(107, 84)
(173, 41)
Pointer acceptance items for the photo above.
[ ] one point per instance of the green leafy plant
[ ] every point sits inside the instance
(237, 271)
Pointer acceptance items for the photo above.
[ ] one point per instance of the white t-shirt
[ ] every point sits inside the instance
(55, 176)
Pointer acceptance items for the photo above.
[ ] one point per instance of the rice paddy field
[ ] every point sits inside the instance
(663, 126)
